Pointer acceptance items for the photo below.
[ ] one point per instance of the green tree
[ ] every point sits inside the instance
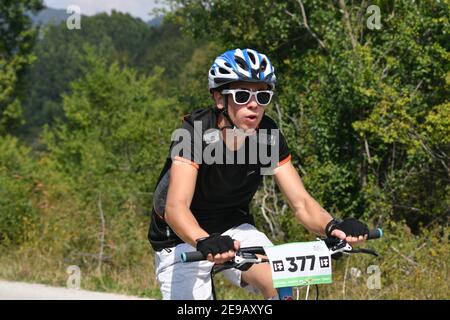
(18, 216)
(117, 38)
(17, 37)
(110, 147)
(60, 60)
(115, 124)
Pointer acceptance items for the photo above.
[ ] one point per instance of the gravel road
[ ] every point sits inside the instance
(26, 291)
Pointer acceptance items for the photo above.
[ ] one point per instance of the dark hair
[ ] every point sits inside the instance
(222, 87)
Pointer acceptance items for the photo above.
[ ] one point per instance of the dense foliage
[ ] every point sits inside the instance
(17, 37)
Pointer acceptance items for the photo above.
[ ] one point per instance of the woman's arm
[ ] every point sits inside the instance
(178, 216)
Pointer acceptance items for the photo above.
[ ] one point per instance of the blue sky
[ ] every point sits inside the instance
(137, 8)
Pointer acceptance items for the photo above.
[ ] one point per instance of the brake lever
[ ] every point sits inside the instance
(337, 245)
(367, 251)
(244, 257)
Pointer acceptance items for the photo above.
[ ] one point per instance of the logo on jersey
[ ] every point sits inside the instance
(211, 136)
(268, 139)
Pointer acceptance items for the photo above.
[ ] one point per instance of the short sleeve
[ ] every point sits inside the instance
(271, 136)
(187, 144)
(284, 152)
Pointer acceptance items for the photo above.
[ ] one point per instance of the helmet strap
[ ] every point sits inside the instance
(224, 111)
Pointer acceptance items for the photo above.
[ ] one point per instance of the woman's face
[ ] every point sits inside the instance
(249, 115)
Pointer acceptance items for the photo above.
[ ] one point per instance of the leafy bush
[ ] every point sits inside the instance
(17, 214)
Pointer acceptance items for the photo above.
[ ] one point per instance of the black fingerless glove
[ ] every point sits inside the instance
(350, 226)
(215, 244)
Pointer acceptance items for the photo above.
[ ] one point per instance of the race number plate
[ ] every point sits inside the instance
(300, 263)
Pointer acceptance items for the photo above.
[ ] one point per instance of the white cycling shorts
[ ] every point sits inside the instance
(192, 280)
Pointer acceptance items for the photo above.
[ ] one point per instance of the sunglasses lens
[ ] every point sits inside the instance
(263, 98)
(242, 96)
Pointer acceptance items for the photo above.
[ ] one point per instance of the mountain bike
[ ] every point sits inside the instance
(288, 262)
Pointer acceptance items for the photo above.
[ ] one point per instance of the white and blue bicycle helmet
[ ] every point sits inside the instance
(241, 65)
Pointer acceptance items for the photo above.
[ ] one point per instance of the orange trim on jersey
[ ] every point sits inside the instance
(287, 159)
(192, 163)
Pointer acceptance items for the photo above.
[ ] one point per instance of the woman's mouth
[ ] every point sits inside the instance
(251, 118)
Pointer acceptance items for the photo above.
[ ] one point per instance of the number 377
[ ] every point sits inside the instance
(294, 266)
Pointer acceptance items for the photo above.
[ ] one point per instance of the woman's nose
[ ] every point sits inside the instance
(252, 103)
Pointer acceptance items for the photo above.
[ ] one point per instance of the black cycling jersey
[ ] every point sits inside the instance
(226, 181)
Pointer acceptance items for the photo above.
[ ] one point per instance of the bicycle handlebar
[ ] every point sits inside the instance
(194, 256)
(375, 234)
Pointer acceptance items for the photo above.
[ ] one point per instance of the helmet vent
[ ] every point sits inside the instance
(263, 66)
(228, 65)
(212, 72)
(222, 70)
(241, 63)
(252, 57)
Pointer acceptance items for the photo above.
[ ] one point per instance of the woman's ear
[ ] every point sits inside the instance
(218, 98)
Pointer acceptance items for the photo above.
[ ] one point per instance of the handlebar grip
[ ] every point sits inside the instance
(375, 234)
(192, 256)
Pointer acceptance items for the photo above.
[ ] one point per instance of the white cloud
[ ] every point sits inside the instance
(137, 8)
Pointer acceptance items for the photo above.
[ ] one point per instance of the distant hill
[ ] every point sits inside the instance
(55, 16)
(49, 16)
(155, 22)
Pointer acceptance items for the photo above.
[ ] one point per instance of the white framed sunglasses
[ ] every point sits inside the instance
(243, 96)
